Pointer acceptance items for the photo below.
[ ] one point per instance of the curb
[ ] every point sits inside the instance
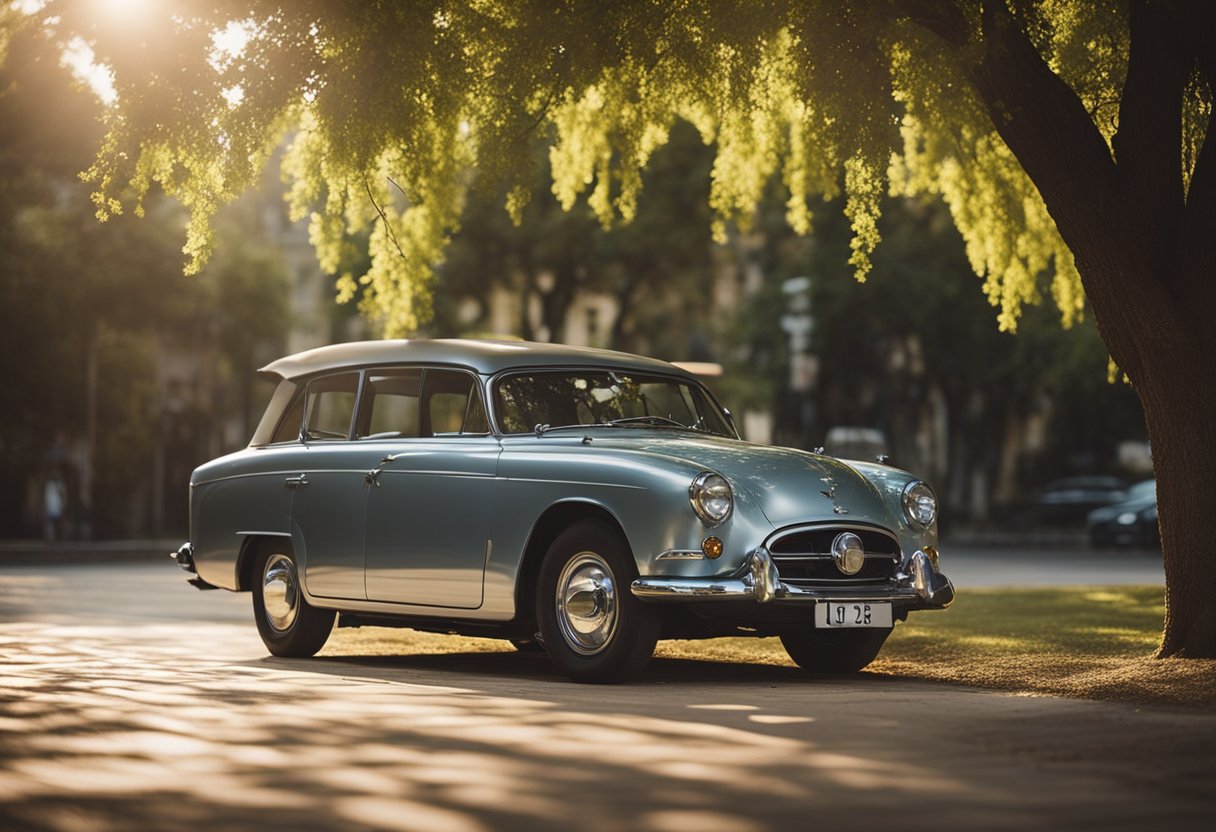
(37, 552)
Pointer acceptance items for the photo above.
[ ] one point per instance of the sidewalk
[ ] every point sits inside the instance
(1021, 538)
(24, 552)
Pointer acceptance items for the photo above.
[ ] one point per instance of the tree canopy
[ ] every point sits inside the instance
(396, 110)
(1072, 142)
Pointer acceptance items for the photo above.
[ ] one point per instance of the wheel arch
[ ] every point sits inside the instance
(555, 519)
(252, 546)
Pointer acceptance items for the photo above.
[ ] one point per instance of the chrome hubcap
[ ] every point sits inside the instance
(280, 592)
(586, 603)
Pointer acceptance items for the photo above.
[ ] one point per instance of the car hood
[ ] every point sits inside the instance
(789, 485)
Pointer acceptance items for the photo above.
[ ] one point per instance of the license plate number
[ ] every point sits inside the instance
(853, 614)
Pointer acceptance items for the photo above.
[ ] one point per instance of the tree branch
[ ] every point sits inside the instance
(1045, 124)
(387, 225)
(1197, 261)
(1147, 146)
(1197, 265)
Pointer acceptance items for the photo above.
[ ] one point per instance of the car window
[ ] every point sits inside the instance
(330, 406)
(407, 403)
(392, 405)
(600, 397)
(288, 429)
(452, 404)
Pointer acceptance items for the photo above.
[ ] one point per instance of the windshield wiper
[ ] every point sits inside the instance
(541, 429)
(650, 420)
(625, 421)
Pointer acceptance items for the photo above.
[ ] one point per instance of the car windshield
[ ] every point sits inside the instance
(604, 397)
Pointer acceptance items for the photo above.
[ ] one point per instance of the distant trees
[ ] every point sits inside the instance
(89, 312)
(657, 269)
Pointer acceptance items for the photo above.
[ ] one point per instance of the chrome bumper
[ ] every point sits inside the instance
(920, 585)
(184, 558)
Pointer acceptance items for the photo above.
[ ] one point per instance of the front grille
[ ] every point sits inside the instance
(804, 556)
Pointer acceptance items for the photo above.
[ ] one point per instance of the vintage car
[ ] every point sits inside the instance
(579, 501)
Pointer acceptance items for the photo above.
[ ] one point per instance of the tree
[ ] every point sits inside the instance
(657, 268)
(1072, 142)
(88, 313)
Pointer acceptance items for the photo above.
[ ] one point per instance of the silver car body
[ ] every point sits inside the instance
(449, 527)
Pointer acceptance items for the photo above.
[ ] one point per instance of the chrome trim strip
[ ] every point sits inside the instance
(681, 554)
(468, 475)
(571, 482)
(780, 534)
(263, 534)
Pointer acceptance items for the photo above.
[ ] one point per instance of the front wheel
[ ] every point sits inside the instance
(288, 624)
(592, 626)
(834, 651)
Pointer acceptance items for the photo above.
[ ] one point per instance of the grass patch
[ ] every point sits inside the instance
(1086, 642)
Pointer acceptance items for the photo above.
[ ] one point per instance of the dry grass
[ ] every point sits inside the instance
(1085, 642)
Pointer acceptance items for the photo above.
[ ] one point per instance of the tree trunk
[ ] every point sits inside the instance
(1146, 254)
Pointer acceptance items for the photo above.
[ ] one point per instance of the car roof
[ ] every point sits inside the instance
(485, 357)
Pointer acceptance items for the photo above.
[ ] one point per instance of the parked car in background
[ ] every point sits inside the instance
(1130, 522)
(1069, 501)
(583, 501)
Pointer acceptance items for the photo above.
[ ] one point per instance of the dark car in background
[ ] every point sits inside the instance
(1069, 501)
(1130, 522)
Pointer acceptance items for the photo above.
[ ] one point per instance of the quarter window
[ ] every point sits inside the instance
(289, 426)
(330, 407)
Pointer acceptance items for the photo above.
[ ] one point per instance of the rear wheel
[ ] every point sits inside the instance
(289, 625)
(833, 651)
(592, 626)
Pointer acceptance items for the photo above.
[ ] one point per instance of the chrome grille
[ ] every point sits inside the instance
(803, 555)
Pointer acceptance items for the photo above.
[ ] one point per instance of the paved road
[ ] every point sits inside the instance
(990, 566)
(129, 700)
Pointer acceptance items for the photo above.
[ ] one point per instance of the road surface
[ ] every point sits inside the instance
(129, 700)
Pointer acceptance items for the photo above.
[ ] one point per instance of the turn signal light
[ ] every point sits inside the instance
(712, 547)
(931, 551)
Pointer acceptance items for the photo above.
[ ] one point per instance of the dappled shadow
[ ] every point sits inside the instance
(127, 702)
(474, 667)
(187, 726)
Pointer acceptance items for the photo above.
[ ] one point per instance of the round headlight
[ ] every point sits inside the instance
(920, 504)
(710, 497)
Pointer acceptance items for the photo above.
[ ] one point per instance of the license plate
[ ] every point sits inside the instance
(853, 614)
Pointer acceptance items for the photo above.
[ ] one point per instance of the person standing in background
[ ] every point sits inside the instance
(54, 500)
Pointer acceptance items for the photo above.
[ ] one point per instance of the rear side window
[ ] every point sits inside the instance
(392, 405)
(274, 418)
(289, 426)
(330, 407)
(414, 402)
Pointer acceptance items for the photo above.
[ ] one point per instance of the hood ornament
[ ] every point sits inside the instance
(830, 493)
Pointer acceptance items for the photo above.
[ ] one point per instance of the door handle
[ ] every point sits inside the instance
(372, 477)
(295, 482)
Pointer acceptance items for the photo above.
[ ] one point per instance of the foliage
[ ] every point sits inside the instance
(657, 267)
(918, 327)
(390, 106)
(75, 294)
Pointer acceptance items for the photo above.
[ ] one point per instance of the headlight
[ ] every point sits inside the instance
(711, 498)
(920, 504)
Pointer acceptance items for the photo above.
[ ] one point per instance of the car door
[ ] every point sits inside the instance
(427, 536)
(329, 493)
